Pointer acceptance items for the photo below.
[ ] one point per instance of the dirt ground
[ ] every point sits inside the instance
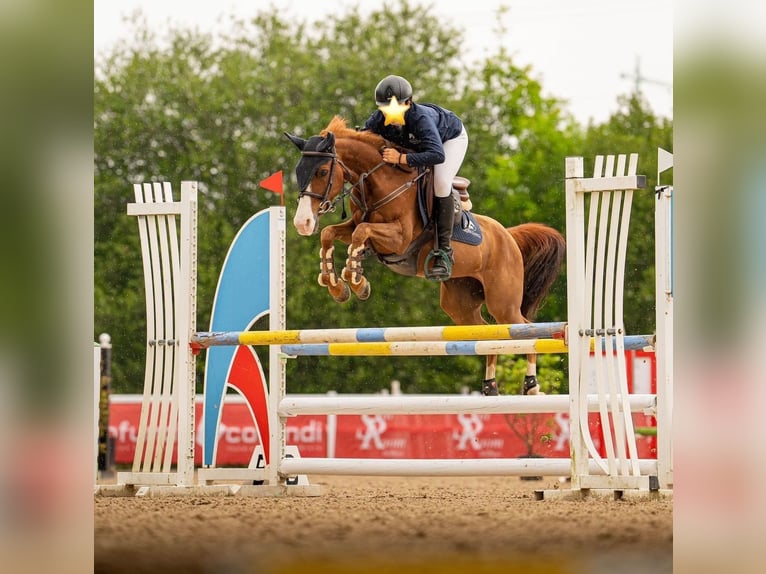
(375, 525)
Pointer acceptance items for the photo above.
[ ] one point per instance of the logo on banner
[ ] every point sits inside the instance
(374, 427)
(471, 426)
(562, 437)
(231, 435)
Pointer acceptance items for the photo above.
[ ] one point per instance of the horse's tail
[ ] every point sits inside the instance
(543, 250)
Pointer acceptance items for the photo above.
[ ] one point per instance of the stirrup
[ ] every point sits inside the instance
(440, 275)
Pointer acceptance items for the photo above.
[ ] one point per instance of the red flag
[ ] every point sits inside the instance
(274, 183)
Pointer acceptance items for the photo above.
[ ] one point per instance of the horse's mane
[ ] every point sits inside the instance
(339, 127)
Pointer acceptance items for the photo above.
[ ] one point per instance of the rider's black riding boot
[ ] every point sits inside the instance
(444, 216)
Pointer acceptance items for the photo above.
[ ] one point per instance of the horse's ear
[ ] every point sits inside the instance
(300, 143)
(328, 143)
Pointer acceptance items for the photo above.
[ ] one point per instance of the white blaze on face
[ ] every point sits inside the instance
(304, 220)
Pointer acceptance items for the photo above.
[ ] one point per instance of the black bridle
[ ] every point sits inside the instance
(328, 205)
(325, 204)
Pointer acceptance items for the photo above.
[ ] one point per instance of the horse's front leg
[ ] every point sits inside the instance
(327, 276)
(386, 238)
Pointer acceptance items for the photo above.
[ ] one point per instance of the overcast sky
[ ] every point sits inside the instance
(584, 51)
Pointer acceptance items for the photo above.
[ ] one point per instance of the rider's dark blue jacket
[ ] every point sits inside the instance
(426, 127)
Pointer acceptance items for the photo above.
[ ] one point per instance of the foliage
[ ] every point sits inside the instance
(551, 369)
(214, 109)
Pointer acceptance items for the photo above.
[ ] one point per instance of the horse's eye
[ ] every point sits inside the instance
(323, 172)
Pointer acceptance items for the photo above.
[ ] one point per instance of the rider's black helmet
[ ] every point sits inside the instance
(392, 86)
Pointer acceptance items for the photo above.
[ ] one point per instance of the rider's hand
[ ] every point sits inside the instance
(391, 155)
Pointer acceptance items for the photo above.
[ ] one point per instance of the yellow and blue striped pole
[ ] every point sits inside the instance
(554, 330)
(440, 348)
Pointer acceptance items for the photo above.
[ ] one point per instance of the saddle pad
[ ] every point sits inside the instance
(467, 230)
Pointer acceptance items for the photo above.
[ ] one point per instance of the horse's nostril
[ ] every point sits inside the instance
(304, 226)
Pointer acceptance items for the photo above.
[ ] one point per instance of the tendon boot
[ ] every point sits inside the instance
(489, 387)
(444, 217)
(531, 386)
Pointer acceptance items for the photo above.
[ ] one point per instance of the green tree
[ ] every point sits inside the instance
(214, 109)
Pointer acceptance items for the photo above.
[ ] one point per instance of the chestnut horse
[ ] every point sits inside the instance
(510, 271)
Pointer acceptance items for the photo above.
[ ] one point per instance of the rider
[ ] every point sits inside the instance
(437, 138)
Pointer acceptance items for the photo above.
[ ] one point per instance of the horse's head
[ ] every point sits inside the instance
(337, 155)
(320, 180)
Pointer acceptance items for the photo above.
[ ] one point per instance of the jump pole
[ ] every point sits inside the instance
(293, 405)
(555, 330)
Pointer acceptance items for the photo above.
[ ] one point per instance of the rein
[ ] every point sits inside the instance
(361, 202)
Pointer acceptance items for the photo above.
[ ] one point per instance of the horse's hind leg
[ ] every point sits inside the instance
(462, 299)
(489, 384)
(506, 309)
(531, 387)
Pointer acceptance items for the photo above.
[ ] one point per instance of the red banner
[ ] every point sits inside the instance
(381, 436)
(398, 436)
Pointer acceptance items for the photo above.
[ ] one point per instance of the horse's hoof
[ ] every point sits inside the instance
(344, 295)
(489, 388)
(364, 293)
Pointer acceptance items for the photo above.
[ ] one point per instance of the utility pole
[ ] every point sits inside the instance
(639, 78)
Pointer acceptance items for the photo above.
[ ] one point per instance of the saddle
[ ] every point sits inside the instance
(426, 195)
